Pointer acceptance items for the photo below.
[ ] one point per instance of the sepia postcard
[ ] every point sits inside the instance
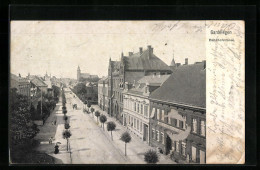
(127, 92)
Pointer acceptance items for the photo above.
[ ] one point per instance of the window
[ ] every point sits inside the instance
(194, 125)
(183, 148)
(158, 114)
(129, 120)
(141, 126)
(162, 137)
(157, 136)
(174, 122)
(162, 116)
(202, 128)
(153, 133)
(134, 123)
(137, 124)
(135, 106)
(138, 108)
(141, 109)
(145, 110)
(181, 124)
(177, 146)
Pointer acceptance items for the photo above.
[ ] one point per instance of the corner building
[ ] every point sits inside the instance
(130, 69)
(178, 114)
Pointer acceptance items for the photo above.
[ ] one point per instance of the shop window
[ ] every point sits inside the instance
(183, 148)
(177, 146)
(162, 137)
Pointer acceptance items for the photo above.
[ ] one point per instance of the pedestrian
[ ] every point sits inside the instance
(55, 122)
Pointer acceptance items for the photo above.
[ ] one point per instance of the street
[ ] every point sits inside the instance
(89, 143)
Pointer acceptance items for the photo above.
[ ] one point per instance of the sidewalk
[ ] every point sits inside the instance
(135, 149)
(50, 130)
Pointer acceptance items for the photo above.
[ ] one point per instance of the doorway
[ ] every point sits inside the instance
(168, 145)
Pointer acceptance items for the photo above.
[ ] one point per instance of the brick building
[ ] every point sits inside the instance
(178, 114)
(129, 69)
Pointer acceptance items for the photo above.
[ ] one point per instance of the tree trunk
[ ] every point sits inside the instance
(111, 135)
(125, 148)
(67, 144)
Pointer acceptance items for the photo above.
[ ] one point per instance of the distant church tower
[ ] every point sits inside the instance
(78, 74)
(173, 61)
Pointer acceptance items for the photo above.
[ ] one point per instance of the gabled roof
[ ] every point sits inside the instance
(186, 85)
(142, 61)
(155, 81)
(38, 82)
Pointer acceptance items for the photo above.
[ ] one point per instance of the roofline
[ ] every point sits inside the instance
(179, 104)
(137, 95)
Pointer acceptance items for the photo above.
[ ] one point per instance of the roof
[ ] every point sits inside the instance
(141, 61)
(154, 79)
(48, 83)
(186, 85)
(21, 80)
(38, 82)
(151, 80)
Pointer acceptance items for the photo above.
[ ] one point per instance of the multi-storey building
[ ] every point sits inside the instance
(130, 69)
(103, 94)
(22, 85)
(178, 114)
(136, 104)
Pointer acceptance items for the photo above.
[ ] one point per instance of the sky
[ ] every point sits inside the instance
(59, 47)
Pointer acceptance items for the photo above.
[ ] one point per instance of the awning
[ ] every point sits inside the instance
(153, 113)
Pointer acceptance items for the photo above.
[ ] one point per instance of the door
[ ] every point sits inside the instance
(194, 152)
(202, 157)
(145, 133)
(168, 145)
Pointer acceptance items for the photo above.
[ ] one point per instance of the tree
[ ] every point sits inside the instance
(151, 157)
(97, 114)
(66, 135)
(92, 110)
(21, 120)
(89, 105)
(125, 137)
(64, 112)
(103, 119)
(110, 127)
(85, 102)
(66, 125)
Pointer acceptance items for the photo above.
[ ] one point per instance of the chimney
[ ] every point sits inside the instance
(178, 64)
(150, 51)
(204, 64)
(140, 50)
(130, 53)
(186, 61)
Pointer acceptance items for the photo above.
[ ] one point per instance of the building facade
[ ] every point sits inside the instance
(22, 85)
(178, 114)
(136, 104)
(103, 100)
(130, 69)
